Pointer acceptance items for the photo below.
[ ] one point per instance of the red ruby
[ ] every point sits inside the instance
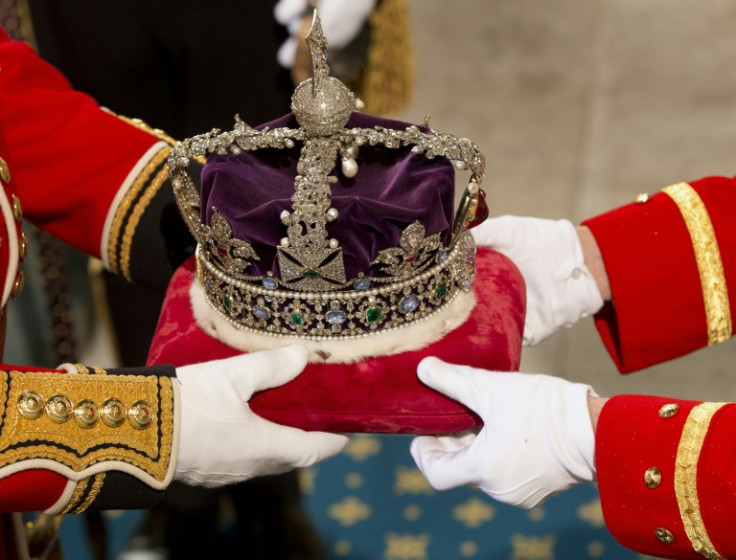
(480, 214)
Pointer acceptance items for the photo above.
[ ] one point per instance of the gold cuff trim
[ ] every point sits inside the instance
(138, 203)
(85, 494)
(135, 219)
(708, 258)
(686, 477)
(79, 446)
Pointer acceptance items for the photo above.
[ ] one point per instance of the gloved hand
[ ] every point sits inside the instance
(560, 289)
(341, 22)
(222, 441)
(537, 438)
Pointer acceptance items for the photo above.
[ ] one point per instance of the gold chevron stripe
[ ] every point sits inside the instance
(708, 258)
(686, 477)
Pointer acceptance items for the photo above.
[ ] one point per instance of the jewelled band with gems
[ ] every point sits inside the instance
(339, 315)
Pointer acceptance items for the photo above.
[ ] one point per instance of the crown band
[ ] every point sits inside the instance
(338, 315)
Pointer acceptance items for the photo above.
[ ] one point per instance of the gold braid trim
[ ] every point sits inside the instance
(147, 449)
(135, 219)
(708, 258)
(686, 477)
(123, 209)
(386, 84)
(144, 126)
(97, 481)
(79, 491)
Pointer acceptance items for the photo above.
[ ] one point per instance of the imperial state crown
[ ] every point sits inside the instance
(368, 263)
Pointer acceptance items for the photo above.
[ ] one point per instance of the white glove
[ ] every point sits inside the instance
(537, 437)
(222, 441)
(560, 290)
(341, 22)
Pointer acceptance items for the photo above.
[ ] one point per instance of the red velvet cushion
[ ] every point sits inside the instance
(381, 395)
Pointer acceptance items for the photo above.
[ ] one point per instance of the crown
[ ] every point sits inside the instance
(303, 284)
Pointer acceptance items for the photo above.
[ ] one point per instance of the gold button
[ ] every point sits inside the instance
(23, 246)
(664, 535)
(113, 412)
(669, 410)
(140, 415)
(652, 477)
(30, 405)
(4, 171)
(642, 198)
(20, 282)
(59, 408)
(86, 414)
(17, 209)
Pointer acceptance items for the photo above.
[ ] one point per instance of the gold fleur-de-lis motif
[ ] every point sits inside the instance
(306, 479)
(592, 512)
(349, 511)
(410, 481)
(361, 447)
(533, 547)
(473, 513)
(406, 547)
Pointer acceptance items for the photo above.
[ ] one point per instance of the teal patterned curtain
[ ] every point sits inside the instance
(371, 503)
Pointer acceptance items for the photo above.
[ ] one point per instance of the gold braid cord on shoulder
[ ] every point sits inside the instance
(143, 125)
(686, 477)
(708, 258)
(82, 421)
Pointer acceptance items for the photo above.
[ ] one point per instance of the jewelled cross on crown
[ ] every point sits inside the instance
(322, 104)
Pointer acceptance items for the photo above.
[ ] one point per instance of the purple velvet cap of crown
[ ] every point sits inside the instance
(393, 188)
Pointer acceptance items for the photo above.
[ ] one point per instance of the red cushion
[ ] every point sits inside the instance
(383, 394)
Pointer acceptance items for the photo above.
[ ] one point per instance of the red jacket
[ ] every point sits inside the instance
(664, 466)
(90, 438)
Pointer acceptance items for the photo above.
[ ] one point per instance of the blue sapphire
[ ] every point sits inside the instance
(441, 257)
(362, 284)
(409, 304)
(335, 317)
(269, 283)
(261, 312)
(209, 285)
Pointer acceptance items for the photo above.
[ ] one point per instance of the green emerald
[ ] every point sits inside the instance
(373, 315)
(228, 303)
(441, 290)
(312, 273)
(297, 320)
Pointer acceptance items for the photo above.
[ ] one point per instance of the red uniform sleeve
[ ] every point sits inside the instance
(666, 477)
(69, 157)
(91, 178)
(671, 263)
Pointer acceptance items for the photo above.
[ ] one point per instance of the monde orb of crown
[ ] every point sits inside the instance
(322, 110)
(321, 104)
